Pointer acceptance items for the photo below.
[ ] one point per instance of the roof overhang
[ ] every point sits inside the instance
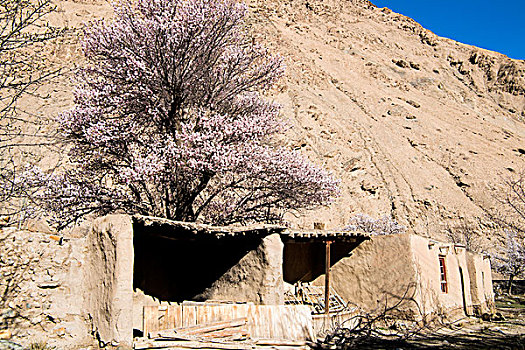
(171, 229)
(324, 236)
(176, 230)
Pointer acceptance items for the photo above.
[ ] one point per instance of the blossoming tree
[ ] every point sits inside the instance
(170, 120)
(383, 226)
(511, 261)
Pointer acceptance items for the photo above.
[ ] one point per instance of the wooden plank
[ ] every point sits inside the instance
(201, 314)
(286, 329)
(174, 316)
(290, 322)
(150, 322)
(189, 315)
(224, 333)
(163, 318)
(172, 335)
(213, 313)
(327, 279)
(241, 310)
(189, 345)
(203, 328)
(210, 327)
(270, 314)
(253, 321)
(279, 342)
(280, 347)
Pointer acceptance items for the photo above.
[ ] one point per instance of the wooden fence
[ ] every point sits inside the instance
(286, 322)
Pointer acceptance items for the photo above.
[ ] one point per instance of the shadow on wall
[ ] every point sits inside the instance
(406, 306)
(403, 306)
(305, 261)
(182, 269)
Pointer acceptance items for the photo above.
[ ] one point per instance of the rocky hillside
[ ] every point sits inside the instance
(414, 125)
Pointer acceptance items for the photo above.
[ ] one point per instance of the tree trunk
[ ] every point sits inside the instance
(184, 211)
(509, 287)
(167, 211)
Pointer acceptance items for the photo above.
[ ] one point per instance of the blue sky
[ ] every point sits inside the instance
(490, 24)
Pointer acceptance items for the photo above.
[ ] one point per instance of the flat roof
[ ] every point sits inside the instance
(210, 230)
(197, 229)
(325, 235)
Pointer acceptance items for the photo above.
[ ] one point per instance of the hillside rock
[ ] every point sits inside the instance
(415, 125)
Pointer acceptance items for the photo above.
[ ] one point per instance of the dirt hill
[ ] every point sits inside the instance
(414, 125)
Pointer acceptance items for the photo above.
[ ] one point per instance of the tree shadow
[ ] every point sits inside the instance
(482, 340)
(384, 329)
(461, 339)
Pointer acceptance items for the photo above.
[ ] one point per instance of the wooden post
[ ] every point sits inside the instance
(327, 279)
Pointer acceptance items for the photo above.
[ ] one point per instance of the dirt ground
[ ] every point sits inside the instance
(467, 333)
(476, 334)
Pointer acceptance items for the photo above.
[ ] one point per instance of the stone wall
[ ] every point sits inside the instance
(41, 286)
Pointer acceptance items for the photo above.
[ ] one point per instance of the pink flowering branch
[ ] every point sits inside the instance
(170, 120)
(383, 226)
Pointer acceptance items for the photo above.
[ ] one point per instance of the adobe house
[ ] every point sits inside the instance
(139, 261)
(424, 276)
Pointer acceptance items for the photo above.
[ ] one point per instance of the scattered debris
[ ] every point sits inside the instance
(313, 296)
(216, 335)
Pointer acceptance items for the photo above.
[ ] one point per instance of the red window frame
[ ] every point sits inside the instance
(443, 274)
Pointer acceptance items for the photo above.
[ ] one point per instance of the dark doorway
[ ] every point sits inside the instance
(463, 291)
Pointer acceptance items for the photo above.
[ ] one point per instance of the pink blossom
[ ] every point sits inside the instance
(170, 120)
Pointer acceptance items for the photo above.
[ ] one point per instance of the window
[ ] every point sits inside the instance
(443, 272)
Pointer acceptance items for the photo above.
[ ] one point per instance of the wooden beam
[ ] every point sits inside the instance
(327, 279)
(208, 327)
